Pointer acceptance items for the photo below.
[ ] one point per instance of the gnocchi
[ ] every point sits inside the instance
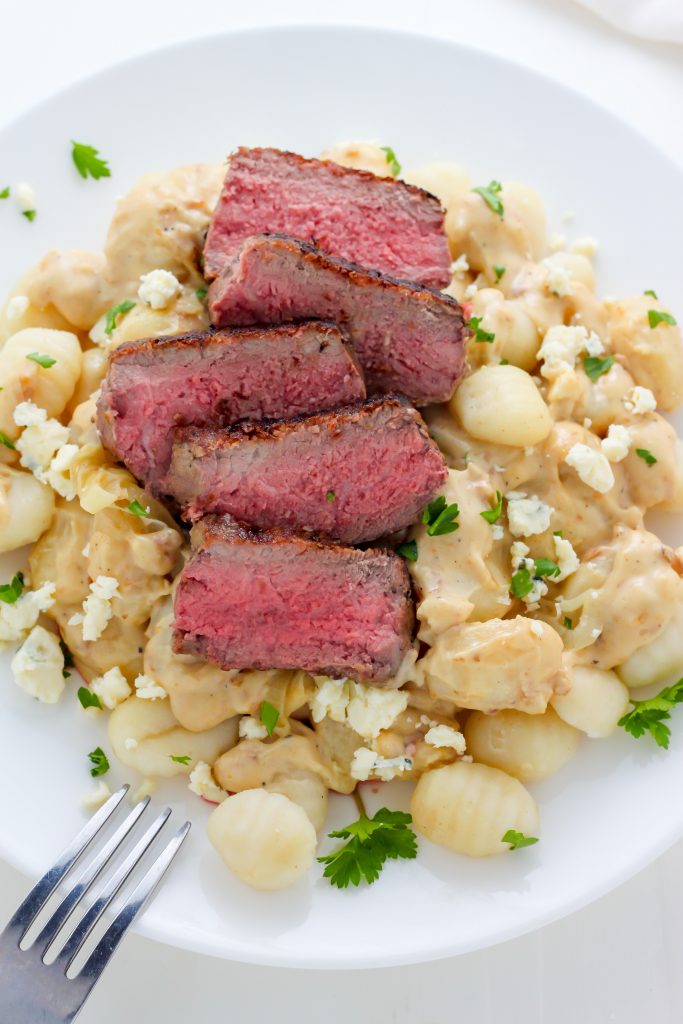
(501, 404)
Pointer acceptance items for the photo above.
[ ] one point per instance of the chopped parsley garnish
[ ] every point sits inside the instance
(440, 518)
(68, 659)
(180, 758)
(544, 567)
(330, 496)
(29, 214)
(498, 271)
(489, 193)
(11, 592)
(137, 509)
(558, 533)
(567, 623)
(649, 291)
(115, 312)
(595, 366)
(646, 456)
(408, 550)
(650, 715)
(492, 515)
(99, 761)
(522, 583)
(201, 293)
(5, 192)
(479, 333)
(88, 699)
(518, 840)
(88, 161)
(656, 316)
(45, 361)
(4, 439)
(394, 165)
(371, 842)
(504, 362)
(269, 716)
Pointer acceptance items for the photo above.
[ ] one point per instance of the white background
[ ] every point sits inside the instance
(615, 961)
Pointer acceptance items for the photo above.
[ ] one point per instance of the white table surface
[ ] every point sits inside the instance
(616, 961)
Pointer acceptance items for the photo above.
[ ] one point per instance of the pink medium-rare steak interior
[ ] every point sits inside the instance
(156, 385)
(380, 223)
(355, 474)
(275, 600)
(409, 339)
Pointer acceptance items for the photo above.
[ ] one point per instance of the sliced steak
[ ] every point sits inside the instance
(275, 600)
(378, 222)
(408, 339)
(156, 384)
(356, 474)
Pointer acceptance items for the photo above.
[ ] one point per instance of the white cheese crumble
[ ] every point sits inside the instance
(460, 266)
(203, 784)
(97, 610)
(251, 729)
(470, 292)
(518, 555)
(617, 443)
(557, 278)
(18, 618)
(372, 709)
(592, 467)
(148, 689)
(563, 344)
(367, 763)
(585, 246)
(16, 307)
(527, 516)
(28, 414)
(330, 699)
(446, 736)
(40, 438)
(566, 559)
(594, 346)
(97, 796)
(58, 474)
(158, 288)
(497, 531)
(112, 688)
(536, 628)
(24, 196)
(37, 666)
(640, 400)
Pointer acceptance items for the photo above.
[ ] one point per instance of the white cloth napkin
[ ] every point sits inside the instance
(651, 19)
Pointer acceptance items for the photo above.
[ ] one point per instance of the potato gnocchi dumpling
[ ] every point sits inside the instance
(530, 747)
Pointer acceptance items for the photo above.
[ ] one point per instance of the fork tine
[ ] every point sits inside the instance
(106, 947)
(29, 909)
(109, 891)
(87, 876)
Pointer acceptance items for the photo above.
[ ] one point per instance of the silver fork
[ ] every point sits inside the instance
(33, 992)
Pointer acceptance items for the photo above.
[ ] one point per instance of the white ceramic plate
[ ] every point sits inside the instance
(617, 805)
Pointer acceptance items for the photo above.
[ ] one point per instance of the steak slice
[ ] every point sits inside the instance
(218, 377)
(408, 339)
(377, 222)
(355, 474)
(275, 600)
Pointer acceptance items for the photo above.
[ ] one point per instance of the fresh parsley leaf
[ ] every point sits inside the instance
(522, 583)
(545, 567)
(4, 439)
(137, 509)
(330, 496)
(45, 361)
(269, 716)
(394, 165)
(5, 192)
(498, 271)
(656, 316)
(649, 291)
(88, 699)
(518, 840)
(439, 518)
(408, 550)
(595, 366)
(479, 333)
(567, 623)
(11, 592)
(504, 362)
(201, 293)
(492, 515)
(650, 715)
(489, 193)
(99, 761)
(29, 214)
(646, 456)
(558, 533)
(68, 658)
(115, 312)
(371, 842)
(88, 161)
(180, 758)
